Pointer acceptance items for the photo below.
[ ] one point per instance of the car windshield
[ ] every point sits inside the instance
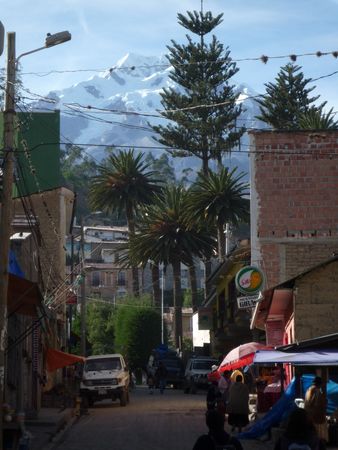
(103, 364)
(203, 364)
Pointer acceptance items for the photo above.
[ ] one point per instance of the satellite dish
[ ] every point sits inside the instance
(2, 37)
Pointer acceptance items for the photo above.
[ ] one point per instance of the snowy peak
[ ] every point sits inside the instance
(113, 107)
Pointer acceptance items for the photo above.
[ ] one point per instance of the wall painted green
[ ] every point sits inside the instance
(38, 156)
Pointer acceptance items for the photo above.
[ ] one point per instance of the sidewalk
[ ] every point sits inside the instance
(49, 427)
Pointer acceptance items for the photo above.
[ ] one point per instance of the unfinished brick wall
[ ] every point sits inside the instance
(294, 201)
(315, 314)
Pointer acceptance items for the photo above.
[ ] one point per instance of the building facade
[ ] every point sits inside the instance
(294, 232)
(294, 201)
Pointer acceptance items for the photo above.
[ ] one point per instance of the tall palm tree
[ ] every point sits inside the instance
(123, 184)
(164, 237)
(220, 198)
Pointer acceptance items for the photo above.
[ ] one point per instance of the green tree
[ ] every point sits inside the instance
(164, 237)
(100, 327)
(286, 100)
(218, 199)
(77, 168)
(162, 166)
(137, 331)
(202, 72)
(317, 119)
(123, 184)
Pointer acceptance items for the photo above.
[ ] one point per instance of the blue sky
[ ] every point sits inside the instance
(105, 30)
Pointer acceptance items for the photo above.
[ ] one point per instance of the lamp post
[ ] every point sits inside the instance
(7, 186)
(162, 305)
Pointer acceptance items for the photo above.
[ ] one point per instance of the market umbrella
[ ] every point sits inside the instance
(241, 356)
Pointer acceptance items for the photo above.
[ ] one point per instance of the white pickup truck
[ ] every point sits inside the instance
(105, 377)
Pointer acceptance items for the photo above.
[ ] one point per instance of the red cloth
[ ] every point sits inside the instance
(56, 359)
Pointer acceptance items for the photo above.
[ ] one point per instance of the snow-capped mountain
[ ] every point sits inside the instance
(115, 108)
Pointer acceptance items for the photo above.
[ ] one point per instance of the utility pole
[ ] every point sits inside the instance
(83, 294)
(6, 208)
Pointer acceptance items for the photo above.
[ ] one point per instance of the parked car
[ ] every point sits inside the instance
(196, 373)
(105, 377)
(174, 366)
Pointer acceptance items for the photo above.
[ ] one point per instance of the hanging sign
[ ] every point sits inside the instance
(249, 301)
(249, 280)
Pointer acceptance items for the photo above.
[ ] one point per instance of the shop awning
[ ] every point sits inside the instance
(56, 359)
(303, 358)
(23, 297)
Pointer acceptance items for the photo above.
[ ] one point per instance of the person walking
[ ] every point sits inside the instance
(300, 433)
(213, 395)
(238, 404)
(224, 386)
(217, 437)
(315, 406)
(161, 376)
(151, 383)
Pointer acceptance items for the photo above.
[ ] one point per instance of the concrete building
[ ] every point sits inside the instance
(107, 276)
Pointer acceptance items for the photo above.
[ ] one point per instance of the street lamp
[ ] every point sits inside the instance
(51, 41)
(7, 186)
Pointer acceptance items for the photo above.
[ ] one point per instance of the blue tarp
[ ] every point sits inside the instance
(13, 266)
(282, 408)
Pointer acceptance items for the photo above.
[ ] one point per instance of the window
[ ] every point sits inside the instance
(121, 278)
(103, 364)
(108, 255)
(96, 279)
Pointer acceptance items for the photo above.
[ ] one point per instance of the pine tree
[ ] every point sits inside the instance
(202, 72)
(287, 99)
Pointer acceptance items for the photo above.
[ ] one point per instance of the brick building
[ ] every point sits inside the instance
(294, 201)
(294, 232)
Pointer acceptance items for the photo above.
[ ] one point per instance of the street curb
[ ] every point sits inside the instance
(58, 436)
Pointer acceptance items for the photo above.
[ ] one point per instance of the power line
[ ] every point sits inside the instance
(263, 58)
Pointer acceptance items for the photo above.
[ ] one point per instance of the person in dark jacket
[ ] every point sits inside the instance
(238, 404)
(161, 376)
(300, 433)
(217, 436)
(213, 395)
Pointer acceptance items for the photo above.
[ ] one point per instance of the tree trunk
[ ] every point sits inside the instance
(205, 166)
(219, 163)
(178, 301)
(193, 284)
(221, 242)
(131, 231)
(155, 274)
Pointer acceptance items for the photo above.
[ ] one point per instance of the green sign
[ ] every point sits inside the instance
(249, 280)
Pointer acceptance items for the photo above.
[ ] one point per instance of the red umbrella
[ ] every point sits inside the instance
(241, 356)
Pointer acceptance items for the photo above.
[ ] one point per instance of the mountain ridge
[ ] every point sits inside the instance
(115, 107)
